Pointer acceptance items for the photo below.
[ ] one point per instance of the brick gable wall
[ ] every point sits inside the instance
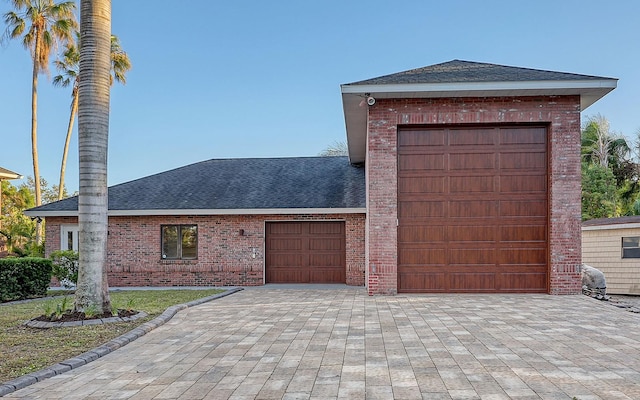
(225, 258)
(560, 113)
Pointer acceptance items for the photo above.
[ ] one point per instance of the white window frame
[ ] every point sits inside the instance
(64, 237)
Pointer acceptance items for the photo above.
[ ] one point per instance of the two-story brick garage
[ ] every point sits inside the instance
(461, 177)
(473, 177)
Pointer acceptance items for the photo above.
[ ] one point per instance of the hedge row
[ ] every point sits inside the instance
(23, 278)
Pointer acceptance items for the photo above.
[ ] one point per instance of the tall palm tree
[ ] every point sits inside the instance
(42, 25)
(69, 67)
(93, 132)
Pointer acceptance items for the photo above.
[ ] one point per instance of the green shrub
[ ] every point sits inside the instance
(23, 278)
(65, 267)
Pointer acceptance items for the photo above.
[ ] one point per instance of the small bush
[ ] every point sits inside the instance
(65, 267)
(24, 278)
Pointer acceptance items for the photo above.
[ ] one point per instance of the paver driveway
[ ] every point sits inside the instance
(273, 343)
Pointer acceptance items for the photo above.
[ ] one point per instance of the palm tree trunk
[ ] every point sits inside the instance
(93, 132)
(34, 134)
(65, 152)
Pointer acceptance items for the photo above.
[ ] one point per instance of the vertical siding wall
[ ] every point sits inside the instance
(602, 249)
(224, 257)
(561, 113)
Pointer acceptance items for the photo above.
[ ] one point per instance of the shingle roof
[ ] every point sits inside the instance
(232, 184)
(633, 219)
(459, 71)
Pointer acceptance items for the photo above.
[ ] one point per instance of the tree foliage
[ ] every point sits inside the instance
(41, 26)
(610, 171)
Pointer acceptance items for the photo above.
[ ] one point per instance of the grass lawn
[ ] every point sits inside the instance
(24, 350)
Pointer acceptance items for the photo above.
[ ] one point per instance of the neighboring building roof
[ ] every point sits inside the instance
(632, 221)
(5, 174)
(236, 186)
(459, 78)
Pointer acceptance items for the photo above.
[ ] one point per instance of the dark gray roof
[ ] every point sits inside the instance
(459, 71)
(252, 183)
(633, 219)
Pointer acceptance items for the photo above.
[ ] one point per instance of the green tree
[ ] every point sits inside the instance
(18, 230)
(69, 66)
(598, 192)
(93, 131)
(42, 25)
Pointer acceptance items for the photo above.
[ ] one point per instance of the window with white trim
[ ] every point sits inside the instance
(69, 237)
(179, 242)
(631, 247)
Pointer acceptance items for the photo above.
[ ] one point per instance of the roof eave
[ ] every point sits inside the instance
(355, 107)
(181, 212)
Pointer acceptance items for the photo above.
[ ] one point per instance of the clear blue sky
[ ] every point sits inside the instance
(222, 79)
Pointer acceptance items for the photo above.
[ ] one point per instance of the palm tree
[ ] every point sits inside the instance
(43, 25)
(93, 132)
(69, 68)
(600, 145)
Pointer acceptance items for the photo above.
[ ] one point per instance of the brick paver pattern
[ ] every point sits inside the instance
(274, 343)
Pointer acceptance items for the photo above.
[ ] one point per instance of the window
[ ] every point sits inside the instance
(179, 242)
(631, 247)
(69, 237)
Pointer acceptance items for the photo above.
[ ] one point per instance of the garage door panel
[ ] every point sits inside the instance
(524, 233)
(284, 259)
(421, 209)
(523, 184)
(472, 233)
(421, 233)
(325, 228)
(473, 209)
(422, 256)
(415, 139)
(420, 162)
(305, 252)
(523, 208)
(523, 136)
(475, 137)
(289, 275)
(475, 257)
(421, 185)
(284, 229)
(524, 281)
(472, 281)
(472, 161)
(466, 184)
(320, 244)
(285, 244)
(419, 281)
(523, 256)
(523, 161)
(485, 227)
(325, 260)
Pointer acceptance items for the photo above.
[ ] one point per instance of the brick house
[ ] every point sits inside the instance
(461, 177)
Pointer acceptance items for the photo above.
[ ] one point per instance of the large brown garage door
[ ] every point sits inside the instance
(472, 209)
(305, 252)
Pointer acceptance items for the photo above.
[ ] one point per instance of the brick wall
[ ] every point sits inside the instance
(560, 113)
(225, 258)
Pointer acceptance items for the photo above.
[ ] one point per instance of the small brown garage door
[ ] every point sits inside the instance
(472, 209)
(305, 252)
